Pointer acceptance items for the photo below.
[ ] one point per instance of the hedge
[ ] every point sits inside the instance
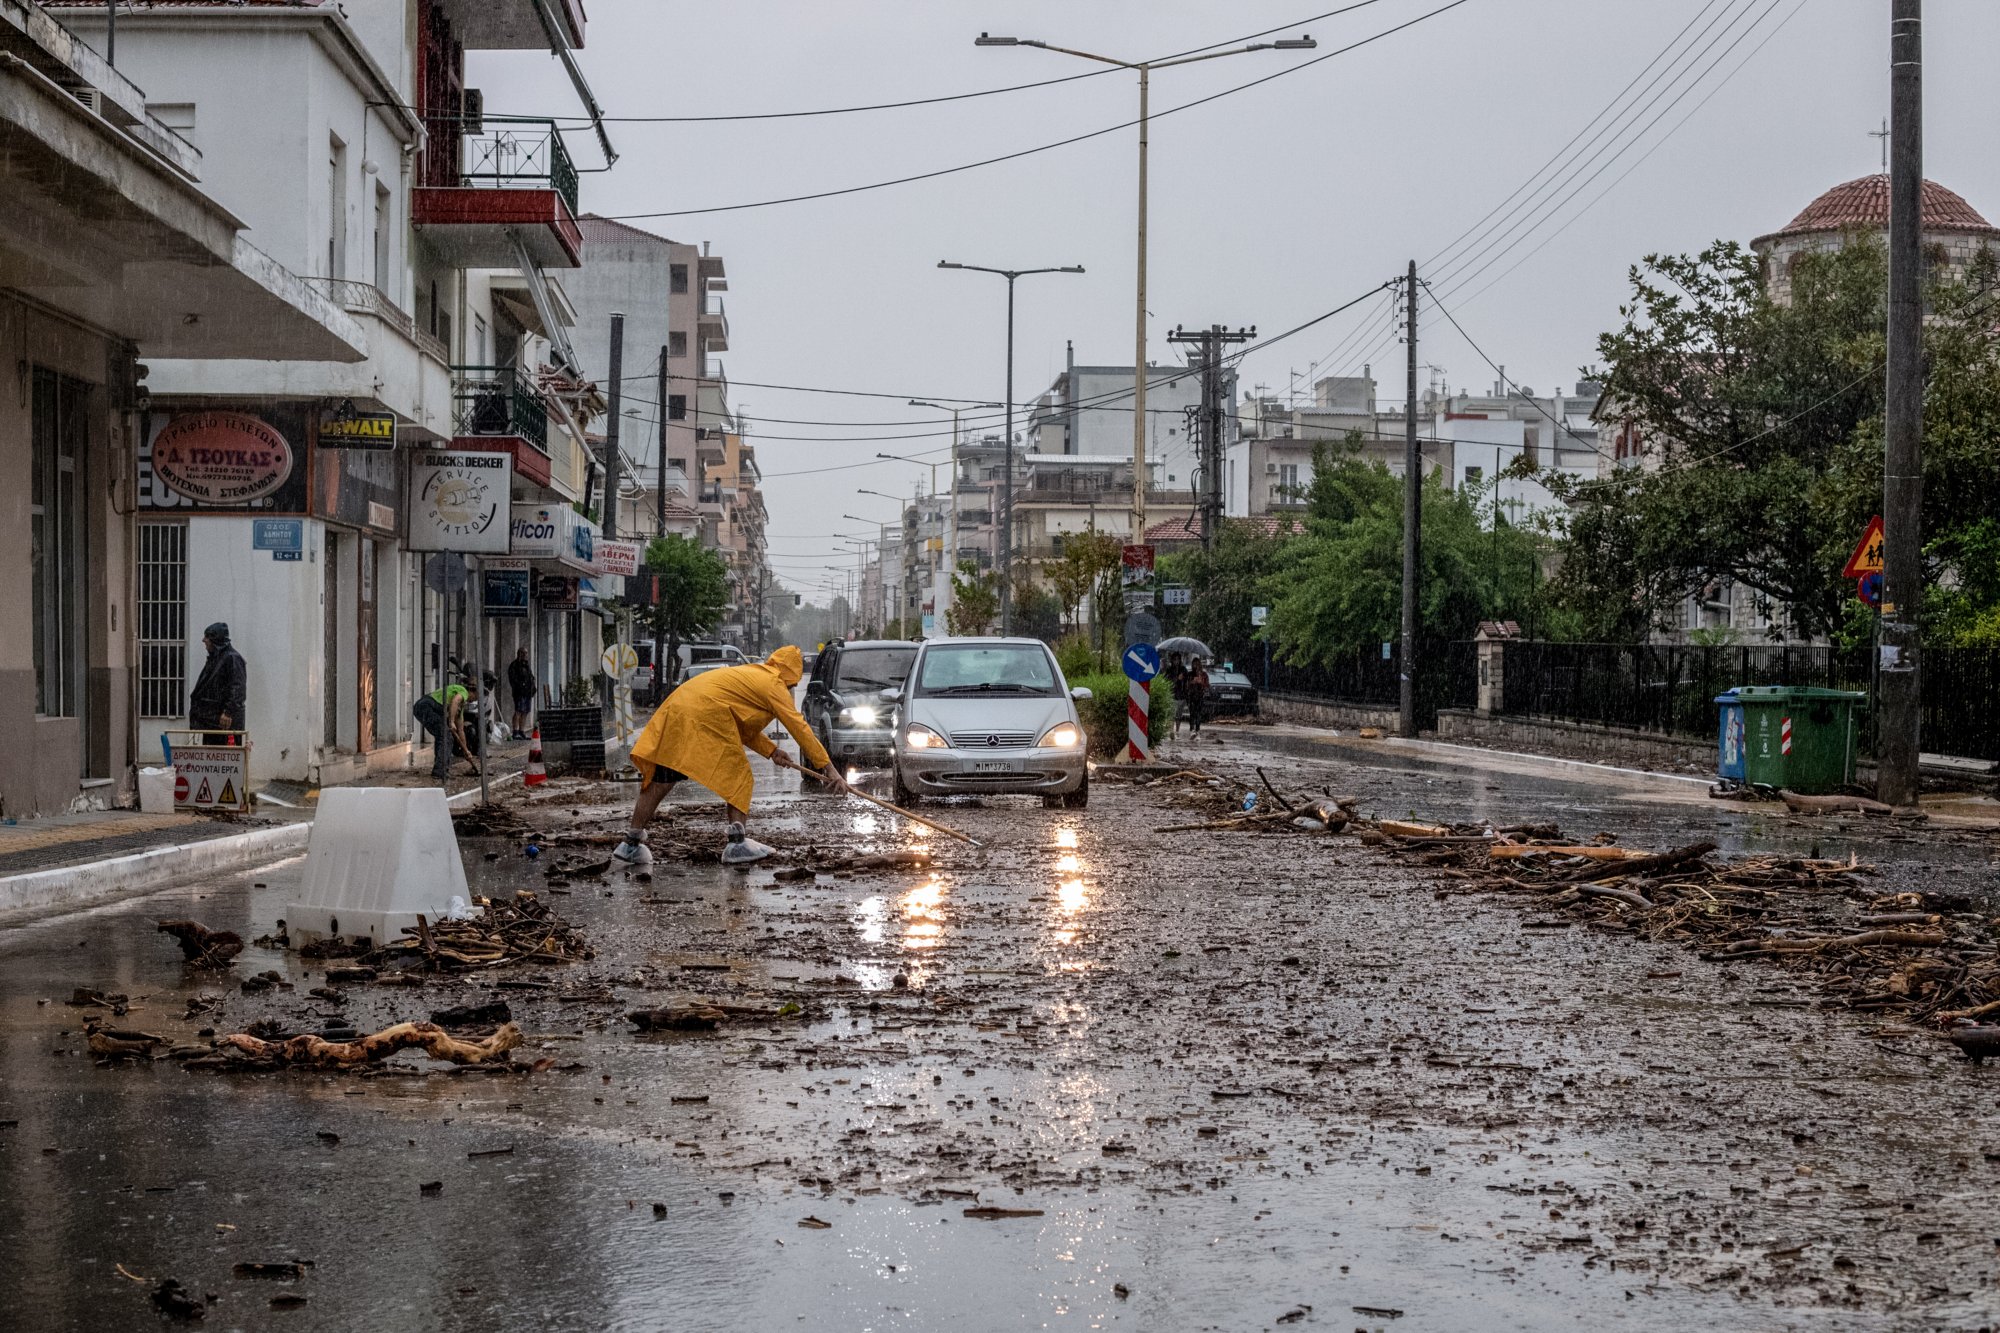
(1103, 714)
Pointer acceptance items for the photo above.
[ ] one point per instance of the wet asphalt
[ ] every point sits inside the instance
(1243, 1081)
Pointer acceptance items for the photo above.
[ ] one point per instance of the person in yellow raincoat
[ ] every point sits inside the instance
(699, 735)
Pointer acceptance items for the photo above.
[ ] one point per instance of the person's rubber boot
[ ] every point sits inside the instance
(741, 851)
(632, 852)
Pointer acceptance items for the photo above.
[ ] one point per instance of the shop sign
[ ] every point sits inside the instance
(556, 533)
(459, 502)
(221, 458)
(504, 589)
(555, 592)
(346, 428)
(618, 557)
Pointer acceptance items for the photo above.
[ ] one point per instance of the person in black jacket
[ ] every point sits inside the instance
(521, 683)
(217, 697)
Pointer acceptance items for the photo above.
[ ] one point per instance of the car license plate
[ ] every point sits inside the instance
(996, 766)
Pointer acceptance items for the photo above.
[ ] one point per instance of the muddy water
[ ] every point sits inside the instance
(1239, 1076)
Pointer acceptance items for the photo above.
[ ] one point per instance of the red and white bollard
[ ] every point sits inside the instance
(1138, 721)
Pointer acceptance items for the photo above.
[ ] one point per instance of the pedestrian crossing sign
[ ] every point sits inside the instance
(1867, 557)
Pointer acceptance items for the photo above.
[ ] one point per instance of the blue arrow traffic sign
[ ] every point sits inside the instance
(1142, 662)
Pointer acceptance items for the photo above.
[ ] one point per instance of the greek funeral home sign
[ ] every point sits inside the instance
(214, 459)
(459, 501)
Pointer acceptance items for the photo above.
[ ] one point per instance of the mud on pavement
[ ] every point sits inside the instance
(1089, 1076)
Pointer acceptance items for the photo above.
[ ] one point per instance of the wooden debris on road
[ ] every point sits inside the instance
(202, 947)
(1822, 805)
(314, 1052)
(507, 930)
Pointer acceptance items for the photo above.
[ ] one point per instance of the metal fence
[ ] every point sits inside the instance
(1672, 688)
(1447, 677)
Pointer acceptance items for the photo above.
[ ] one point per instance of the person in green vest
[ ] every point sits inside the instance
(442, 714)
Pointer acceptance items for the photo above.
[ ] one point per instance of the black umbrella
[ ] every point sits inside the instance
(1185, 646)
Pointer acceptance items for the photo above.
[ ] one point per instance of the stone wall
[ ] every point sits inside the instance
(1576, 740)
(1313, 712)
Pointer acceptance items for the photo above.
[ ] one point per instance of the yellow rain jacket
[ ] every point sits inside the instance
(703, 726)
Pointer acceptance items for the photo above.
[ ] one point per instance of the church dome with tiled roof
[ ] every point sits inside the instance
(1864, 203)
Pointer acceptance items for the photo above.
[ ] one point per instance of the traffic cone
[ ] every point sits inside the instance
(538, 772)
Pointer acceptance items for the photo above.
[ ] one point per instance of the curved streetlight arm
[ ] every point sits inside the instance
(1305, 43)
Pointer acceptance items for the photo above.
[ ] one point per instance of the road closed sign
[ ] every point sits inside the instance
(212, 777)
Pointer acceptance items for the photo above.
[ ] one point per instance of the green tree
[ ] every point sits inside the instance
(975, 599)
(1339, 586)
(1764, 422)
(693, 593)
(1086, 559)
(1223, 584)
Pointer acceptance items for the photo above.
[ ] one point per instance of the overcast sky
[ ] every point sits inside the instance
(1269, 206)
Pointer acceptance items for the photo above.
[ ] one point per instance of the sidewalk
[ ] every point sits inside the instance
(66, 862)
(1946, 809)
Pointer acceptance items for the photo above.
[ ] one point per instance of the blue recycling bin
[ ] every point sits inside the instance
(1730, 739)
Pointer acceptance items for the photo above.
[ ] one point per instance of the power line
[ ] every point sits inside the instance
(1030, 152)
(922, 101)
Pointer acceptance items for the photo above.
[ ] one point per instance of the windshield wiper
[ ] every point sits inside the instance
(1011, 687)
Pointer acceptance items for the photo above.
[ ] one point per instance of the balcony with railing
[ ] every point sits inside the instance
(498, 409)
(713, 321)
(514, 179)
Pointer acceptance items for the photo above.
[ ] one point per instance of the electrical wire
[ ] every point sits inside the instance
(1041, 148)
(923, 101)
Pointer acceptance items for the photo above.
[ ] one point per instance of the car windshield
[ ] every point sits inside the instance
(1228, 678)
(874, 668)
(999, 668)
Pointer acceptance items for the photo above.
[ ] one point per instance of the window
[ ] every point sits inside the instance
(336, 197)
(677, 407)
(1473, 475)
(1288, 477)
(677, 279)
(163, 674)
(677, 344)
(382, 238)
(59, 429)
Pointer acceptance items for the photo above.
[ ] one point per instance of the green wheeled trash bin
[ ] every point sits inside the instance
(1798, 738)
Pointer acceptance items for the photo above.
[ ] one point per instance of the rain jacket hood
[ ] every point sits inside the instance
(705, 725)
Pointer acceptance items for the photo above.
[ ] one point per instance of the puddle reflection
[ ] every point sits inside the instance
(869, 916)
(923, 915)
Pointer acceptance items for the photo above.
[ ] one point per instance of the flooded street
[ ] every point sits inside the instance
(1209, 1080)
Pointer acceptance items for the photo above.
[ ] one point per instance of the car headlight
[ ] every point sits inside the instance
(1062, 736)
(921, 738)
(861, 715)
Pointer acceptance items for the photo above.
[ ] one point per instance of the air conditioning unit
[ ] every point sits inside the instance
(1270, 469)
(90, 97)
(472, 111)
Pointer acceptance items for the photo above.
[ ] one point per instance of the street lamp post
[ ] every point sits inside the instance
(902, 572)
(953, 534)
(1145, 68)
(1007, 459)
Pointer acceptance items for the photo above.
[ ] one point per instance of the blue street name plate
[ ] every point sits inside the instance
(278, 534)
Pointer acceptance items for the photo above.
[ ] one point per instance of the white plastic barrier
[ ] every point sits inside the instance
(377, 859)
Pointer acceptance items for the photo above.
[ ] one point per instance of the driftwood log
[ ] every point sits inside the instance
(1646, 865)
(1823, 805)
(318, 1053)
(203, 947)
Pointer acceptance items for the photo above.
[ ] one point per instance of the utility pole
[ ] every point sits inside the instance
(659, 507)
(611, 464)
(1902, 455)
(1413, 500)
(1207, 357)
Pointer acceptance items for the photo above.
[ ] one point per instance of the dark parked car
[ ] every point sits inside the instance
(1231, 692)
(844, 703)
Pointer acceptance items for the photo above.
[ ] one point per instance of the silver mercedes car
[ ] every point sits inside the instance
(989, 715)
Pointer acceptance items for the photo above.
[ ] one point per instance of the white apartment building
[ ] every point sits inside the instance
(347, 140)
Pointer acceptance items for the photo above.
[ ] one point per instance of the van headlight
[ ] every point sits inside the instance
(921, 738)
(1062, 736)
(861, 715)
